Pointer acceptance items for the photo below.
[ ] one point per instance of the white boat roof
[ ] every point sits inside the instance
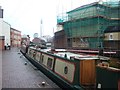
(80, 56)
(77, 56)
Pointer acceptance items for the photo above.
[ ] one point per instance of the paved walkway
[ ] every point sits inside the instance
(0, 69)
(15, 74)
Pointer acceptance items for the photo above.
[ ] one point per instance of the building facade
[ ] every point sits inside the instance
(4, 31)
(1, 12)
(60, 39)
(2, 38)
(112, 38)
(8, 36)
(15, 36)
(25, 39)
(84, 27)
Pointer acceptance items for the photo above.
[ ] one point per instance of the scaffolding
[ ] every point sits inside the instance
(85, 25)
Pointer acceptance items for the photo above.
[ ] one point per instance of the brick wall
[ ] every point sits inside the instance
(1, 42)
(15, 38)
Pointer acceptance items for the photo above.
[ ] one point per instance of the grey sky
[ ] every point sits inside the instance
(25, 15)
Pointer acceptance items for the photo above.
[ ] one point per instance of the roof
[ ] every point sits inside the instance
(84, 6)
(15, 29)
(104, 4)
(37, 40)
(112, 29)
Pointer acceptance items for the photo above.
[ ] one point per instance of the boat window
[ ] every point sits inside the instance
(38, 55)
(65, 69)
(49, 62)
(34, 53)
(42, 58)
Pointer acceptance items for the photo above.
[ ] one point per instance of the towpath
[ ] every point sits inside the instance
(15, 74)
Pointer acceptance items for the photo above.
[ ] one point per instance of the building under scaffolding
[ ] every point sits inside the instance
(84, 26)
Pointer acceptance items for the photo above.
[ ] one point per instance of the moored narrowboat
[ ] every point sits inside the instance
(68, 70)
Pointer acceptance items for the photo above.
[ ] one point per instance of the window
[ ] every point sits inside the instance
(65, 69)
(42, 58)
(111, 36)
(34, 54)
(49, 62)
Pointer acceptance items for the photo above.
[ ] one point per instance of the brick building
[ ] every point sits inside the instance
(15, 36)
(2, 38)
(60, 39)
(25, 39)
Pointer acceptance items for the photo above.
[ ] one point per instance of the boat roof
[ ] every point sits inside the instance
(67, 54)
(64, 53)
(80, 56)
(77, 56)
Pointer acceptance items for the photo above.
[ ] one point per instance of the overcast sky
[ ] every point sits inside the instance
(26, 15)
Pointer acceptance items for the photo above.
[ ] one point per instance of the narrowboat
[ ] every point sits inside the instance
(66, 69)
